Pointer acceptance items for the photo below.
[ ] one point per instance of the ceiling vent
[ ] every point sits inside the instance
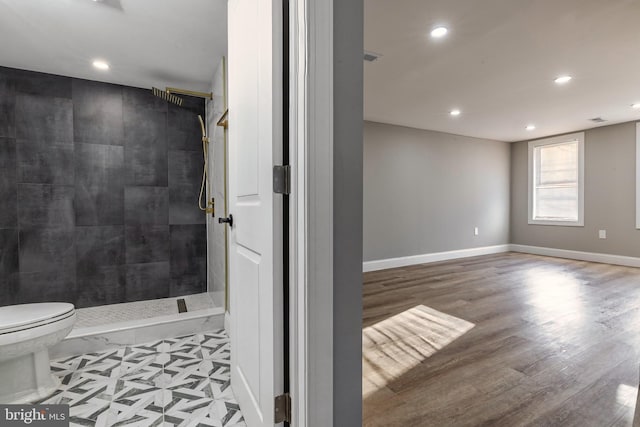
(371, 56)
(598, 120)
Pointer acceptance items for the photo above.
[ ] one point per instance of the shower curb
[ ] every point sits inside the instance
(105, 337)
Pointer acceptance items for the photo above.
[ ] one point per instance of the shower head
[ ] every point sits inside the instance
(169, 97)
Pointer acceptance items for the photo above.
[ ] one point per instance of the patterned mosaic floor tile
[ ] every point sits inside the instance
(202, 412)
(216, 350)
(105, 364)
(177, 382)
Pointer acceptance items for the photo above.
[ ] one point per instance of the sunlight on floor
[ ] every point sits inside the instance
(393, 346)
(626, 395)
(556, 293)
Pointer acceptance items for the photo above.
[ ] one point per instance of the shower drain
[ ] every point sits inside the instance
(182, 306)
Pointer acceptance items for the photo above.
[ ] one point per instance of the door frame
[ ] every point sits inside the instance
(311, 211)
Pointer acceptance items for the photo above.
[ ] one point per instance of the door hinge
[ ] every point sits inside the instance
(282, 179)
(282, 408)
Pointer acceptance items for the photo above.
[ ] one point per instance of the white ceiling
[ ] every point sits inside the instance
(146, 42)
(498, 63)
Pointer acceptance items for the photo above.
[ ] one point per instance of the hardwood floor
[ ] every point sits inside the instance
(501, 340)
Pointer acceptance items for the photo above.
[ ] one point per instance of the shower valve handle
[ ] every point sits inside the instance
(226, 220)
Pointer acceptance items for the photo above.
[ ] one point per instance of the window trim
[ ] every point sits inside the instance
(638, 175)
(579, 138)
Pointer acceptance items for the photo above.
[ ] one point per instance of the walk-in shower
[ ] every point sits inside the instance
(184, 313)
(207, 206)
(108, 203)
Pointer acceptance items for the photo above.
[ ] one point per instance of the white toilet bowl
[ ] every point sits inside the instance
(26, 333)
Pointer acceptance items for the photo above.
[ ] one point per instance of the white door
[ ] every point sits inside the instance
(255, 245)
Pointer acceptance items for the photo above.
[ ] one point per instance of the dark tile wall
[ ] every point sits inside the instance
(98, 188)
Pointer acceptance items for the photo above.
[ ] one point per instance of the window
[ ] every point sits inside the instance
(556, 180)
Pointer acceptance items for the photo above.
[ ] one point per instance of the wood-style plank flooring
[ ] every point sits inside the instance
(501, 340)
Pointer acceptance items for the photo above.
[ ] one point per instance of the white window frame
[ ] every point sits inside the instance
(579, 138)
(638, 175)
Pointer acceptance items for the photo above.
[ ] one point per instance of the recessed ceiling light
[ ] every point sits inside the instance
(100, 65)
(563, 79)
(439, 32)
(636, 106)
(455, 112)
(530, 127)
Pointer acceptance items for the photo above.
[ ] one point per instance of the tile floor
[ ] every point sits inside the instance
(176, 382)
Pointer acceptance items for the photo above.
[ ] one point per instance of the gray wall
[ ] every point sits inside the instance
(425, 191)
(348, 17)
(609, 197)
(99, 187)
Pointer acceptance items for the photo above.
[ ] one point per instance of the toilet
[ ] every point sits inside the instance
(26, 333)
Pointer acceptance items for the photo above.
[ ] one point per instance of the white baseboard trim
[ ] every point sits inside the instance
(383, 264)
(578, 255)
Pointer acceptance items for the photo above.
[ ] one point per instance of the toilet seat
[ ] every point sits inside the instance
(16, 318)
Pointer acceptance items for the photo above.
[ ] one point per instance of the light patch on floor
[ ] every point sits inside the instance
(138, 310)
(394, 346)
(557, 294)
(626, 395)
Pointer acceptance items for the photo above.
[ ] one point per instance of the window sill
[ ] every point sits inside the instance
(557, 223)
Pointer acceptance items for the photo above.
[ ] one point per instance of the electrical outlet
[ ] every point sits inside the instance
(602, 234)
(475, 231)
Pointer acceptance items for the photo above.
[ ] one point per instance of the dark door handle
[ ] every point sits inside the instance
(226, 220)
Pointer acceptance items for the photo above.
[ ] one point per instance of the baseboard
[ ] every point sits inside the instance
(384, 264)
(578, 255)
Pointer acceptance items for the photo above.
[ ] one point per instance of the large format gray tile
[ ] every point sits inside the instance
(49, 286)
(7, 105)
(41, 205)
(145, 128)
(99, 205)
(44, 118)
(146, 205)
(188, 285)
(100, 271)
(185, 179)
(137, 98)
(97, 113)
(146, 165)
(8, 252)
(45, 162)
(103, 285)
(185, 167)
(99, 165)
(99, 172)
(147, 281)
(8, 183)
(47, 249)
(147, 243)
(9, 288)
(41, 84)
(188, 258)
(98, 246)
(183, 205)
(183, 129)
